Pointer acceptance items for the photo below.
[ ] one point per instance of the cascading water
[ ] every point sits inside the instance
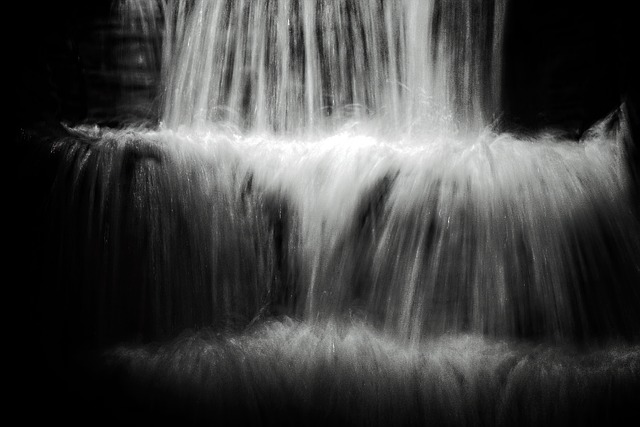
(287, 66)
(327, 174)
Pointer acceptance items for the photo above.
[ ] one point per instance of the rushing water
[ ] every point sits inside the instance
(495, 234)
(289, 65)
(334, 162)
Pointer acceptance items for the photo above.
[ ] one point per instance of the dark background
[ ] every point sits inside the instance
(567, 63)
(50, 84)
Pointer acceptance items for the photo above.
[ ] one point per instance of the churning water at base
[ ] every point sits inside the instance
(290, 373)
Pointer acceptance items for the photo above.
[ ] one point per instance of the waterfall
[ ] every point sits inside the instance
(490, 234)
(265, 191)
(292, 66)
(326, 199)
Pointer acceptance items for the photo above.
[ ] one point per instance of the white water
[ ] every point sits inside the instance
(493, 234)
(303, 66)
